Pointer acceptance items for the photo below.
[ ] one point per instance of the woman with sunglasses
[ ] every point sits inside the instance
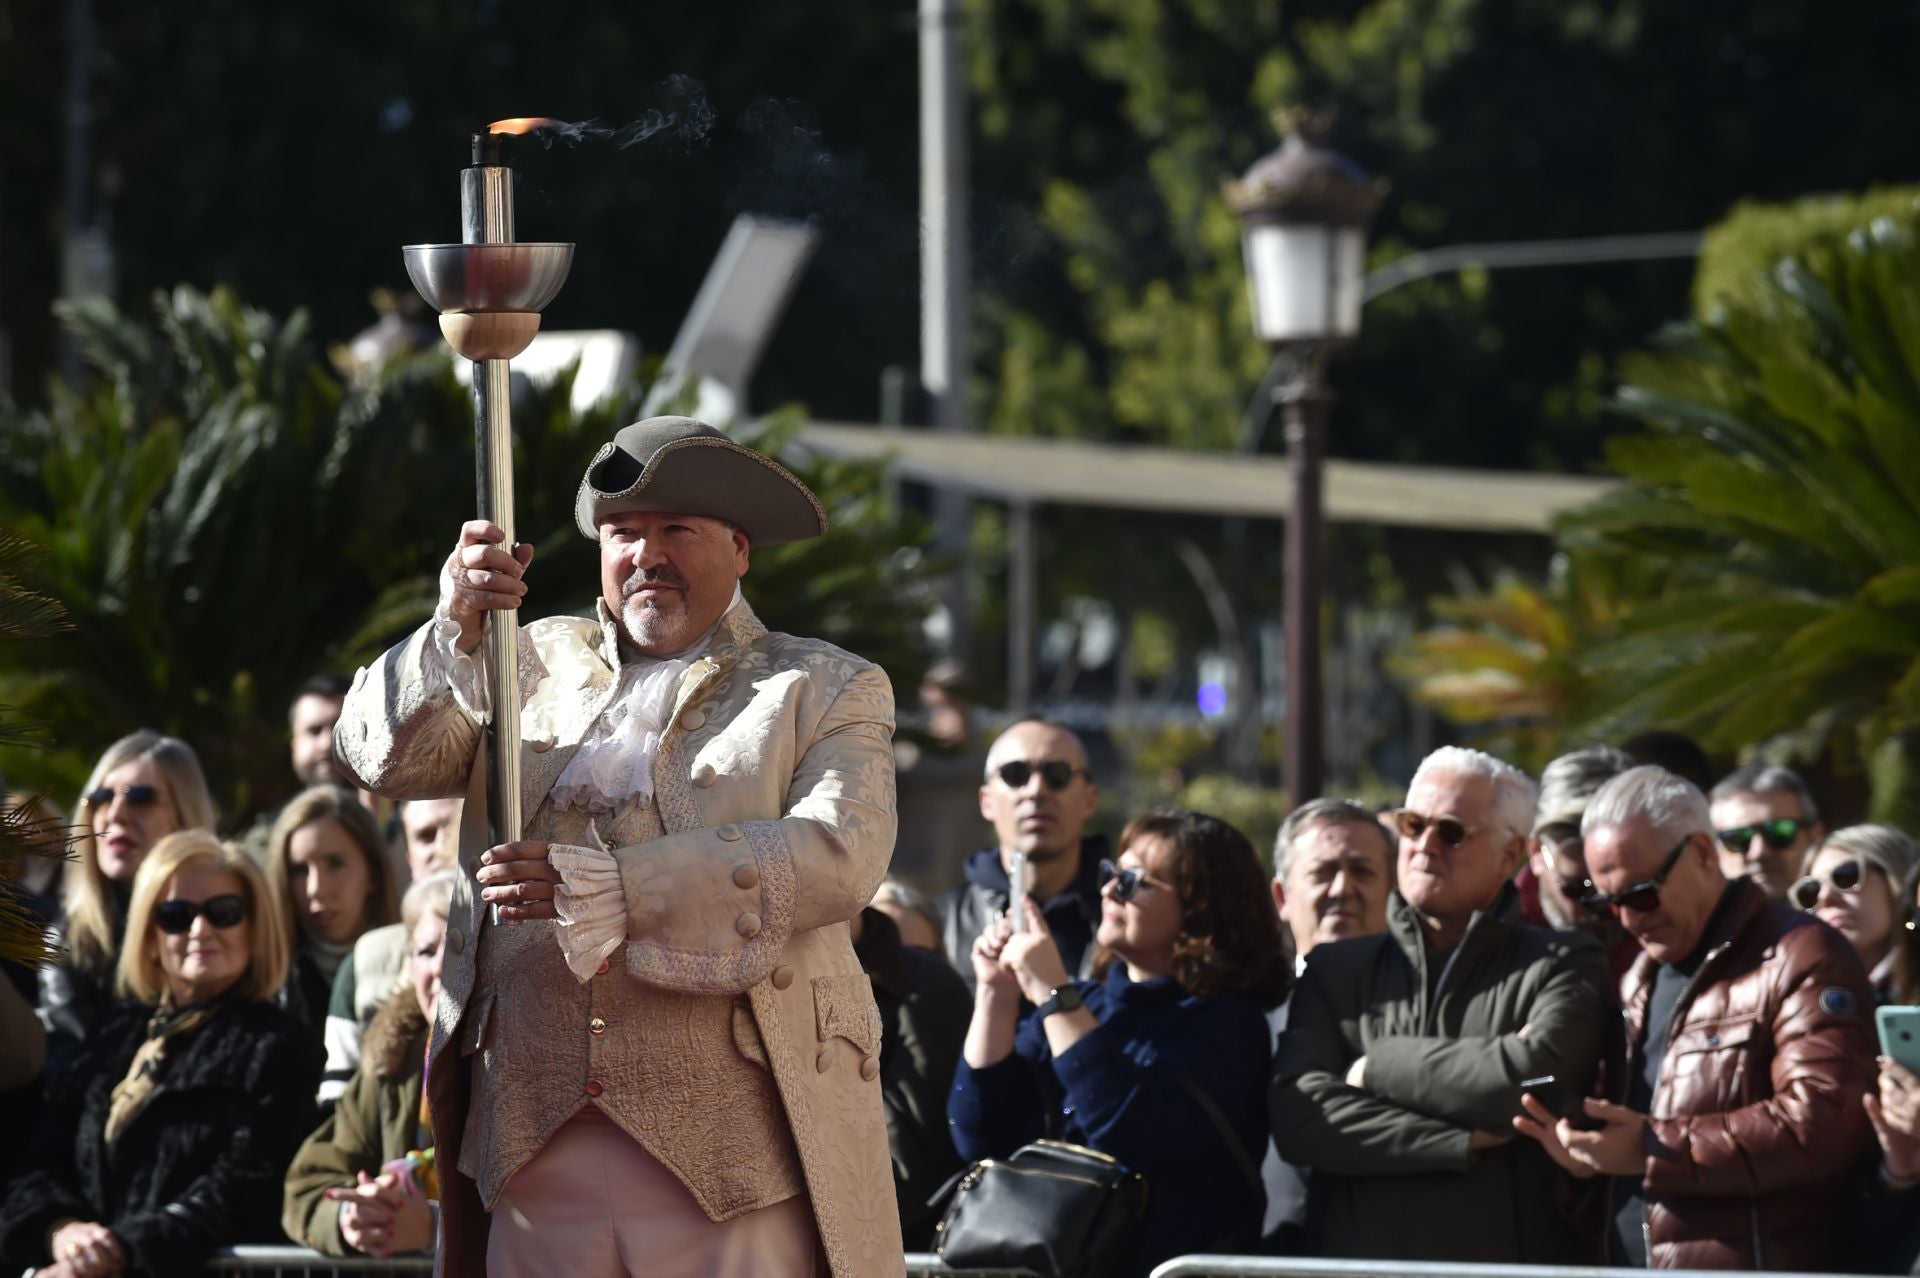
(1190, 959)
(330, 873)
(1848, 881)
(169, 1137)
(144, 788)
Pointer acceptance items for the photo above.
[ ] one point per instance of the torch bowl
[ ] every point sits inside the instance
(481, 278)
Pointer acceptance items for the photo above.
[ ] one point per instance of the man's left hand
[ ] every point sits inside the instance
(1617, 1149)
(519, 879)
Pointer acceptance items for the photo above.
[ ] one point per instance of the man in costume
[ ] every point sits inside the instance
(655, 1051)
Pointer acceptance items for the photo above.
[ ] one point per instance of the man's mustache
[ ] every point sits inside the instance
(644, 577)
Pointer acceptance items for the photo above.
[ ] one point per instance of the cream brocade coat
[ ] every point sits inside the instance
(777, 753)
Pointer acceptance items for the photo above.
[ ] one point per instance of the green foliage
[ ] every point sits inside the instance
(25, 828)
(1739, 251)
(225, 518)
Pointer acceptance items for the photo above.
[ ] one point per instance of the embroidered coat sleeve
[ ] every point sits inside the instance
(710, 910)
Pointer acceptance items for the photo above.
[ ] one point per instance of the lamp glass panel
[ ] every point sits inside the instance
(1349, 263)
(1290, 273)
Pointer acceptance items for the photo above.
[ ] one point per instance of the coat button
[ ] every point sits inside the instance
(540, 745)
(747, 925)
(602, 969)
(731, 833)
(704, 775)
(782, 977)
(824, 1061)
(746, 876)
(593, 1087)
(596, 1026)
(693, 719)
(457, 942)
(870, 1068)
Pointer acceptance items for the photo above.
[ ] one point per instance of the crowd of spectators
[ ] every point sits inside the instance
(1625, 1016)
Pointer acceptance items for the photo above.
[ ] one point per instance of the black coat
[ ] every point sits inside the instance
(198, 1168)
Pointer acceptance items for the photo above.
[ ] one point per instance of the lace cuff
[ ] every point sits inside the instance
(445, 666)
(591, 903)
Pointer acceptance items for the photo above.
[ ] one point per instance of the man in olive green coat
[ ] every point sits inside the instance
(1398, 1076)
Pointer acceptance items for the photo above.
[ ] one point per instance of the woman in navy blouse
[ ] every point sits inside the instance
(1190, 960)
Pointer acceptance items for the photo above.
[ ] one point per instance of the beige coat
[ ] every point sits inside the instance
(778, 755)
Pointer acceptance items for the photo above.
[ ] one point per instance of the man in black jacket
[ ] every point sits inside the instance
(1398, 1077)
(1038, 793)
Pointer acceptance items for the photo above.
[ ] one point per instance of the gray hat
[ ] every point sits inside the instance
(687, 467)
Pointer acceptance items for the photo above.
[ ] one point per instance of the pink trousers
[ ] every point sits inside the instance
(592, 1202)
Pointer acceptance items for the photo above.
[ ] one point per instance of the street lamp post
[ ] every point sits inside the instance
(1303, 211)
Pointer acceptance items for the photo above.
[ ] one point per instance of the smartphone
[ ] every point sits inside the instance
(1900, 1035)
(1017, 891)
(1559, 1102)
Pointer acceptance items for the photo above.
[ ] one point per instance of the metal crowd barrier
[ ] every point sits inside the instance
(1303, 1267)
(298, 1262)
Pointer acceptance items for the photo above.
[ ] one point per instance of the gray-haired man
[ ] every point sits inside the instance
(1764, 820)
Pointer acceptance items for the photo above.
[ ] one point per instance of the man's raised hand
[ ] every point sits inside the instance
(480, 578)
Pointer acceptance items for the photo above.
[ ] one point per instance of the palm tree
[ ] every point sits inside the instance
(25, 831)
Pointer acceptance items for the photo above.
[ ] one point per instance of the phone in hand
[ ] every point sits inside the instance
(1558, 1100)
(1900, 1035)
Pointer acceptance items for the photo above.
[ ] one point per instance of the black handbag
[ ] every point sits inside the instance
(1060, 1210)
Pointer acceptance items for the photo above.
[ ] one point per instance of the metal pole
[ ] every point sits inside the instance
(1305, 400)
(1022, 587)
(945, 282)
(79, 169)
(486, 217)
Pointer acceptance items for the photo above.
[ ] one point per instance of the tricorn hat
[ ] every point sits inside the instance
(687, 467)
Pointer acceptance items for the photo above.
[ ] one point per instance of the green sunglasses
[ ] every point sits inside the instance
(1779, 834)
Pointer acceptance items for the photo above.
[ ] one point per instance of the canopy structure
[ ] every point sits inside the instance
(1026, 473)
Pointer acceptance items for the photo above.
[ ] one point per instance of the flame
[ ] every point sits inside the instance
(521, 124)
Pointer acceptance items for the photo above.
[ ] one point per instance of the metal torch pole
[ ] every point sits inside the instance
(1305, 398)
(486, 217)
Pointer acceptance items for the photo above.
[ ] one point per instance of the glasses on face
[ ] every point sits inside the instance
(1412, 826)
(1126, 882)
(1641, 898)
(175, 917)
(1844, 877)
(1779, 834)
(1056, 774)
(135, 796)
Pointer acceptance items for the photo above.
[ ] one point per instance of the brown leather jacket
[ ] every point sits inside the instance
(1757, 1113)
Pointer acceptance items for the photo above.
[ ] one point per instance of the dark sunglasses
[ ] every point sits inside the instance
(1126, 883)
(1057, 774)
(1779, 834)
(137, 796)
(1413, 825)
(1844, 877)
(175, 917)
(1641, 898)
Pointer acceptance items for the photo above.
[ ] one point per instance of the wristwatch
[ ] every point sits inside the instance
(1065, 998)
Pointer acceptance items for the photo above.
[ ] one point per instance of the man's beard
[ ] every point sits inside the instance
(658, 625)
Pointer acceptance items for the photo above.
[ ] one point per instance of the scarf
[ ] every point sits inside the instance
(131, 1094)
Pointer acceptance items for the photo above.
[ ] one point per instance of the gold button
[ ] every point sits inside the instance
(746, 876)
(540, 745)
(693, 719)
(870, 1068)
(732, 834)
(596, 1026)
(602, 969)
(782, 977)
(704, 775)
(457, 942)
(747, 925)
(824, 1061)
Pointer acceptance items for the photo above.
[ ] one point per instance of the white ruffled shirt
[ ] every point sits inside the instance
(612, 768)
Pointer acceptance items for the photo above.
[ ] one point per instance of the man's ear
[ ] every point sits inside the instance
(1279, 898)
(1516, 854)
(986, 803)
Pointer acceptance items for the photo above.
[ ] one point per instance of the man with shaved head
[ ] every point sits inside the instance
(1038, 793)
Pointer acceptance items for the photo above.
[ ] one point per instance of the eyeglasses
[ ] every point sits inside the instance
(175, 917)
(1413, 825)
(1779, 834)
(1057, 774)
(136, 796)
(1126, 883)
(1844, 877)
(1641, 898)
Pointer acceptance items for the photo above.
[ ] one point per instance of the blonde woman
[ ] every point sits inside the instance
(145, 787)
(169, 1137)
(330, 874)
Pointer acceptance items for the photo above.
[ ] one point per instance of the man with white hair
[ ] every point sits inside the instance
(1735, 1110)
(1400, 1071)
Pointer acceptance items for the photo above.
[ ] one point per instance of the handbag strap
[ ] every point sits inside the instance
(1222, 1126)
